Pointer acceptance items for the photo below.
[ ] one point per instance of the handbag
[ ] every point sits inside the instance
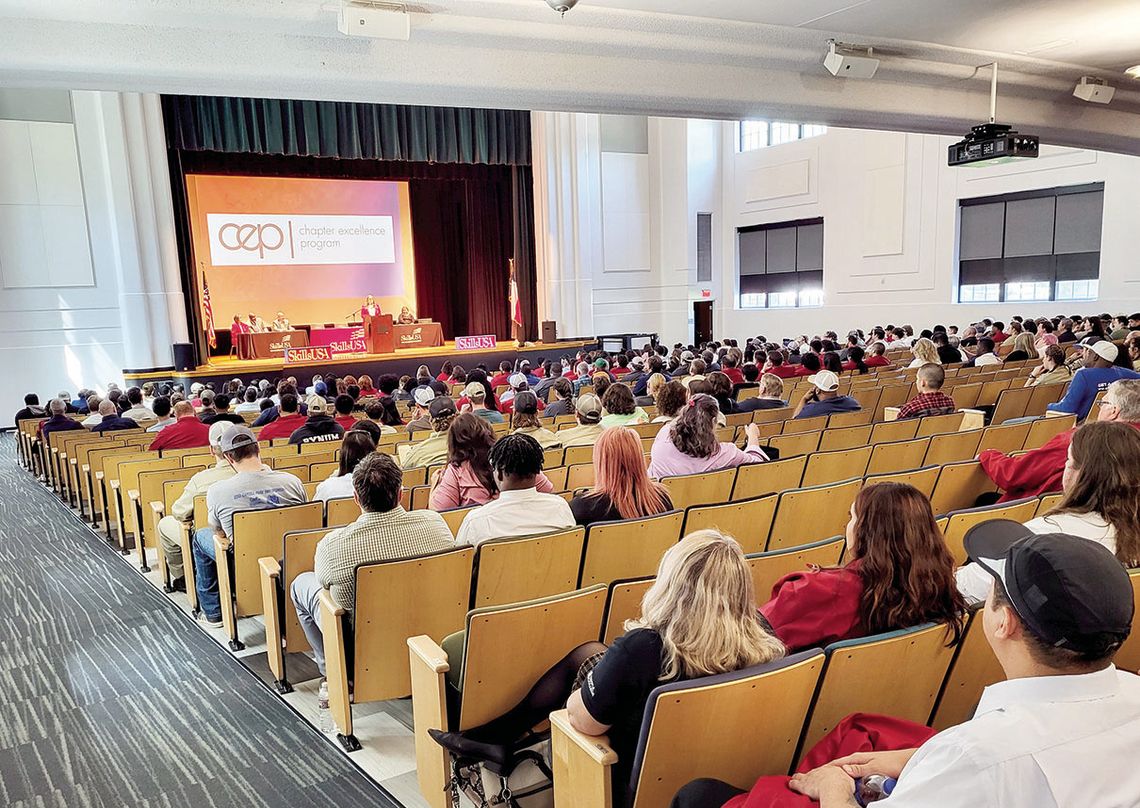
(526, 781)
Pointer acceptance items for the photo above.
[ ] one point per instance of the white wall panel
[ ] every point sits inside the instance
(625, 212)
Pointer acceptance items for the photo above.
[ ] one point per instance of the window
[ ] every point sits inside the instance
(781, 265)
(1031, 246)
(761, 134)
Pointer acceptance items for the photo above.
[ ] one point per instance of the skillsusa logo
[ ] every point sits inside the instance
(247, 239)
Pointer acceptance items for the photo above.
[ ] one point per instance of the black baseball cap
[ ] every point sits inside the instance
(1069, 591)
(441, 407)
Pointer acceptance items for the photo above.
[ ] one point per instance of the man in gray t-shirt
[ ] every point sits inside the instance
(254, 487)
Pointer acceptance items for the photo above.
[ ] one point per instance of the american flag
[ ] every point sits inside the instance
(208, 310)
(516, 304)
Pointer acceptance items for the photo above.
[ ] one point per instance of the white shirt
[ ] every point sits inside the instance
(515, 513)
(248, 406)
(139, 413)
(162, 424)
(986, 359)
(1039, 742)
(94, 419)
(335, 487)
(974, 583)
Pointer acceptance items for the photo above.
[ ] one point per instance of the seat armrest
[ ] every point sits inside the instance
(971, 419)
(158, 508)
(336, 661)
(891, 413)
(272, 610)
(429, 653)
(429, 668)
(581, 766)
(133, 494)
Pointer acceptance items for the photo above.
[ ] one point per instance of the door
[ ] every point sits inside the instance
(702, 321)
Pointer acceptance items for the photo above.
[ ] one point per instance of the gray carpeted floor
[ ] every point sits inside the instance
(110, 697)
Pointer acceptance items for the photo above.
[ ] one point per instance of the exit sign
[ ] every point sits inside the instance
(706, 293)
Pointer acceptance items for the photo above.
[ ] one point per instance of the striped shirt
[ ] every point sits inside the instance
(376, 537)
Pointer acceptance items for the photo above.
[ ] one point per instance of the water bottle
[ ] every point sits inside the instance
(873, 788)
(325, 717)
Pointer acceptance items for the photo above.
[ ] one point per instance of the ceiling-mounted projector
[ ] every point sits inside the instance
(846, 61)
(992, 143)
(1094, 90)
(374, 20)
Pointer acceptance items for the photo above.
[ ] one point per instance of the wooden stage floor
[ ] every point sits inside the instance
(399, 362)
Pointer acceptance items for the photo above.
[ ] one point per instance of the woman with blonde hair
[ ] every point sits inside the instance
(924, 353)
(622, 488)
(698, 618)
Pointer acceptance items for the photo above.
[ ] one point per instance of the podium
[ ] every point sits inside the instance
(378, 334)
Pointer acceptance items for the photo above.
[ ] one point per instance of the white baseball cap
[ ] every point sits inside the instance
(424, 396)
(825, 380)
(1105, 350)
(516, 381)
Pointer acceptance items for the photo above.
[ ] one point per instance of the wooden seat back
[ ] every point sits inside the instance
(899, 673)
(791, 445)
(575, 455)
(623, 603)
(924, 479)
(747, 520)
(495, 674)
(703, 488)
(807, 515)
(514, 570)
(1128, 655)
(824, 468)
(894, 431)
(628, 549)
(712, 714)
(959, 485)
(341, 511)
(939, 424)
(257, 534)
(960, 522)
(794, 426)
(952, 447)
(1046, 503)
(1007, 439)
(424, 595)
(151, 484)
(901, 456)
(1043, 395)
(580, 475)
(849, 437)
(768, 568)
(454, 517)
(972, 670)
(757, 479)
(1044, 430)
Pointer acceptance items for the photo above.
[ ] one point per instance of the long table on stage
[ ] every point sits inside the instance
(270, 344)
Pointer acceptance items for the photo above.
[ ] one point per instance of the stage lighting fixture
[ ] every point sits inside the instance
(1093, 90)
(850, 61)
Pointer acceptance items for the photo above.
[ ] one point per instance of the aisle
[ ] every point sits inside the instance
(112, 698)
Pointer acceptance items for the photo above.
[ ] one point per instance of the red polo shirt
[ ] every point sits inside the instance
(185, 433)
(736, 375)
(347, 421)
(283, 427)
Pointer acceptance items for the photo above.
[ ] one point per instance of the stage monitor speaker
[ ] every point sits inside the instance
(183, 356)
(549, 331)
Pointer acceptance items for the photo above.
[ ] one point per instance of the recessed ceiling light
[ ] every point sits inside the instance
(1133, 71)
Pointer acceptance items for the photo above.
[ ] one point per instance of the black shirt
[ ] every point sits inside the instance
(232, 417)
(948, 355)
(590, 508)
(753, 404)
(615, 692)
(30, 412)
(317, 429)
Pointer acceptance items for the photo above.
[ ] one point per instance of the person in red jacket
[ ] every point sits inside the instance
(900, 575)
(1039, 471)
(289, 420)
(187, 432)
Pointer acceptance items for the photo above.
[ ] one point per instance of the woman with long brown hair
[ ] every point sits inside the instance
(1101, 502)
(622, 488)
(900, 574)
(467, 478)
(689, 444)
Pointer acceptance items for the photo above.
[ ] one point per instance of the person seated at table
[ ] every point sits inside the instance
(588, 413)
(256, 324)
(622, 488)
(620, 408)
(406, 317)
(222, 412)
(356, 445)
(237, 328)
(467, 478)
(524, 420)
(281, 323)
(899, 574)
(930, 399)
(319, 427)
(689, 444)
(697, 619)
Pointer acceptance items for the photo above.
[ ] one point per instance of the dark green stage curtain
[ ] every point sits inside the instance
(346, 130)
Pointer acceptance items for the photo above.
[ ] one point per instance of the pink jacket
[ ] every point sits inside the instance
(458, 487)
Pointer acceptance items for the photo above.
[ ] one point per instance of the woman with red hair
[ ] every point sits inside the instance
(622, 488)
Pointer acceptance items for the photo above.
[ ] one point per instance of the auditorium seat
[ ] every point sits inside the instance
(769, 567)
(702, 488)
(629, 548)
(283, 634)
(513, 570)
(712, 714)
(748, 521)
(757, 479)
(831, 467)
(807, 515)
(973, 668)
(623, 602)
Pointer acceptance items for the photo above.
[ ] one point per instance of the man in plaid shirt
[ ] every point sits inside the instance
(930, 399)
(384, 531)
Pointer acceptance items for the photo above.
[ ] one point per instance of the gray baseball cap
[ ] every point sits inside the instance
(236, 437)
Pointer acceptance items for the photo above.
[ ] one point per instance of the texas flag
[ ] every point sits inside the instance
(516, 304)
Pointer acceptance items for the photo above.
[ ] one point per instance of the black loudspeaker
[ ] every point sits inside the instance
(549, 331)
(183, 356)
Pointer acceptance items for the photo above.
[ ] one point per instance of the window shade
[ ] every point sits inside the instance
(1029, 227)
(1078, 223)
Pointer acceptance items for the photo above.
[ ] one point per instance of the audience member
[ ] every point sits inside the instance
(930, 399)
(383, 531)
(161, 407)
(524, 420)
(1039, 471)
(697, 619)
(1052, 369)
(421, 419)
(824, 398)
(924, 353)
(670, 401)
(561, 395)
(588, 412)
(899, 574)
(622, 488)
(32, 408)
(136, 411)
(253, 487)
(344, 405)
(319, 427)
(689, 444)
(187, 432)
(878, 356)
(110, 420)
(181, 516)
(356, 445)
(476, 395)
(432, 450)
(206, 408)
(288, 421)
(521, 509)
(771, 396)
(222, 412)
(1097, 375)
(620, 408)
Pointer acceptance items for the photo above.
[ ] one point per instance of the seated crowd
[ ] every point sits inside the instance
(1054, 592)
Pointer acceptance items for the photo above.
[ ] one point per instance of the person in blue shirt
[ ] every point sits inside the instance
(824, 398)
(1098, 373)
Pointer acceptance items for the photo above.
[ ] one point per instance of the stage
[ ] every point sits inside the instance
(404, 361)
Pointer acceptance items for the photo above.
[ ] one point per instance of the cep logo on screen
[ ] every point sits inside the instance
(250, 239)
